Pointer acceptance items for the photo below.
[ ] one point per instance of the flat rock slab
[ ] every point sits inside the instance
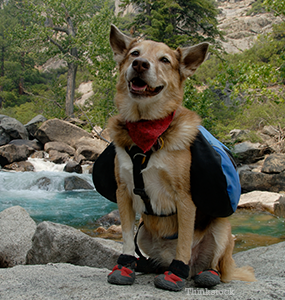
(259, 199)
(65, 282)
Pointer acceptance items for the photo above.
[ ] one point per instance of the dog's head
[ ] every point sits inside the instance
(151, 78)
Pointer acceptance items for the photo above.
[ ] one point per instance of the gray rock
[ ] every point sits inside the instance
(248, 152)
(58, 243)
(237, 134)
(39, 154)
(279, 207)
(73, 167)
(35, 144)
(90, 149)
(112, 218)
(58, 157)
(11, 153)
(65, 282)
(16, 231)
(56, 130)
(60, 147)
(4, 137)
(13, 129)
(20, 166)
(251, 181)
(259, 200)
(274, 163)
(33, 125)
(43, 183)
(270, 130)
(76, 183)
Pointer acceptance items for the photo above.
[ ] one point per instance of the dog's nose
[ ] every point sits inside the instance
(140, 65)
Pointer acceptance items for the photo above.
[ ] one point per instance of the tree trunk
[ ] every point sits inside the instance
(71, 75)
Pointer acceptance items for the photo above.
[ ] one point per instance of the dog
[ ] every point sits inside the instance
(152, 135)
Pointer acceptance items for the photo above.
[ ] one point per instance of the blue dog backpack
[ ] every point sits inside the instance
(214, 180)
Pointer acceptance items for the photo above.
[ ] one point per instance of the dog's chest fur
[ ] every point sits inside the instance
(168, 169)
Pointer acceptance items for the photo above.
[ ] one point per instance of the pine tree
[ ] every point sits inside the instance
(176, 22)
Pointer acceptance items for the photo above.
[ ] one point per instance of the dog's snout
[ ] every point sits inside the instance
(140, 65)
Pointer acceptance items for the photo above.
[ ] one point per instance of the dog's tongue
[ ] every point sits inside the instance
(139, 88)
(145, 133)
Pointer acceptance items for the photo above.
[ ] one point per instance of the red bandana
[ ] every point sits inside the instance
(145, 133)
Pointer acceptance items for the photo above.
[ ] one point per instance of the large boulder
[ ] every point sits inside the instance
(11, 153)
(248, 152)
(20, 166)
(11, 129)
(16, 231)
(60, 147)
(58, 243)
(269, 176)
(76, 183)
(260, 200)
(251, 181)
(33, 125)
(58, 157)
(35, 144)
(89, 149)
(56, 130)
(274, 164)
(73, 167)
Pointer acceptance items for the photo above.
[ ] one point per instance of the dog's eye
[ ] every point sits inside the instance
(135, 53)
(165, 60)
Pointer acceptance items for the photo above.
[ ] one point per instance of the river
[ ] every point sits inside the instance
(81, 208)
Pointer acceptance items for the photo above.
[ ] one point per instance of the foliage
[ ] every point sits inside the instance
(102, 67)
(277, 6)
(40, 32)
(176, 22)
(257, 8)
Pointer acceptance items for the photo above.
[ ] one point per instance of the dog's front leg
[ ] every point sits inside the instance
(124, 272)
(186, 212)
(127, 215)
(175, 278)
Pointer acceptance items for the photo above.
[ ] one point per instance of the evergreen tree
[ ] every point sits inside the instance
(176, 22)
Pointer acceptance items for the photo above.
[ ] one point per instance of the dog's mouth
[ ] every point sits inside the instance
(139, 87)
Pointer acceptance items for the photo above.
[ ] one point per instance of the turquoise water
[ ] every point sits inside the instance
(52, 203)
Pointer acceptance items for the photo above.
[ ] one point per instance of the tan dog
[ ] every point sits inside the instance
(149, 95)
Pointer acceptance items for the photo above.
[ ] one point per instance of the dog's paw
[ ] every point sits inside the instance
(207, 278)
(121, 275)
(169, 281)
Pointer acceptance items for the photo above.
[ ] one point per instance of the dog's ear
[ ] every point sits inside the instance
(192, 58)
(119, 43)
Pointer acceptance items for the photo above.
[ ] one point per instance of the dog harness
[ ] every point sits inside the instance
(140, 161)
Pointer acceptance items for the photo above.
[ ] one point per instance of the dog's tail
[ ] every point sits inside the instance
(245, 273)
(229, 271)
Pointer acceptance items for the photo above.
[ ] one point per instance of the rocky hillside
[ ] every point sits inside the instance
(241, 30)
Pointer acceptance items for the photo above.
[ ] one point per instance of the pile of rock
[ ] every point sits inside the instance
(55, 140)
(262, 164)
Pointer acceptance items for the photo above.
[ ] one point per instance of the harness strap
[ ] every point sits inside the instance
(137, 249)
(140, 161)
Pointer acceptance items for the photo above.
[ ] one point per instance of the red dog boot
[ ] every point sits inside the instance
(124, 272)
(207, 278)
(175, 278)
